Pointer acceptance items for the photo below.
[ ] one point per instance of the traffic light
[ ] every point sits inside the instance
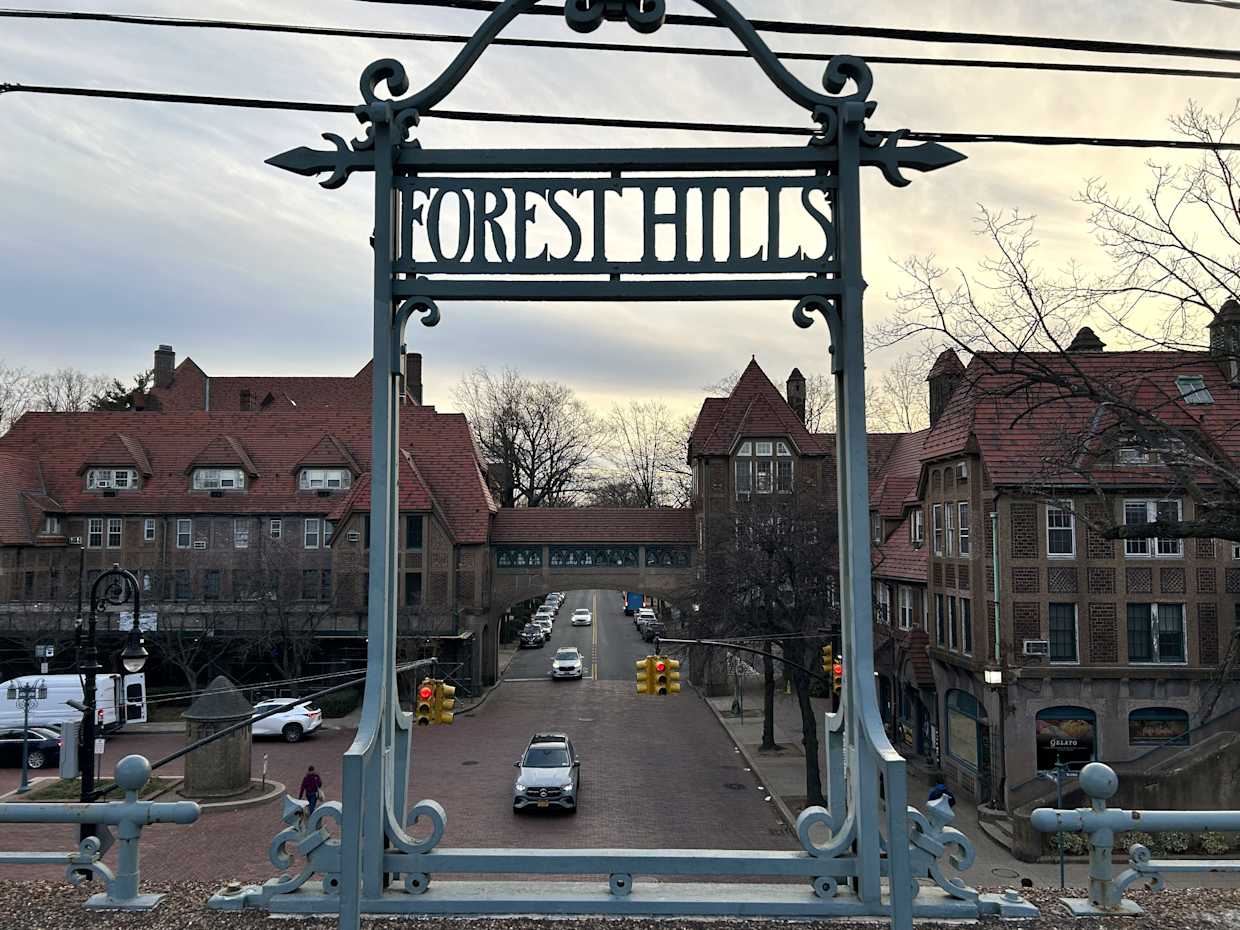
(837, 675)
(673, 677)
(426, 697)
(826, 659)
(644, 675)
(444, 702)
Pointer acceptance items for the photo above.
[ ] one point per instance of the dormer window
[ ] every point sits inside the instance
(763, 466)
(51, 525)
(111, 479)
(219, 479)
(328, 479)
(1193, 389)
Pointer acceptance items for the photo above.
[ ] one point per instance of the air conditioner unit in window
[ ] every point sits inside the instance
(962, 471)
(75, 540)
(200, 544)
(1037, 647)
(353, 535)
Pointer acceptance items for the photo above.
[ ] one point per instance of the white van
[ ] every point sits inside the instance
(119, 699)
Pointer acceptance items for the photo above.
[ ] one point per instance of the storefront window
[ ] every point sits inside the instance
(1066, 734)
(965, 720)
(1155, 726)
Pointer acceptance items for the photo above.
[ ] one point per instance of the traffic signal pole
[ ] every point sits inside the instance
(659, 642)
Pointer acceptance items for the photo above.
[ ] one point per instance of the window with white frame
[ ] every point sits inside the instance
(762, 474)
(219, 479)
(185, 533)
(331, 479)
(241, 533)
(949, 511)
(1063, 633)
(763, 466)
(311, 536)
(1193, 389)
(117, 479)
(876, 526)
(276, 528)
(962, 510)
(936, 519)
(884, 603)
(1140, 512)
(1060, 531)
(744, 476)
(115, 526)
(94, 533)
(783, 475)
(1156, 633)
(917, 526)
(905, 595)
(148, 530)
(1235, 550)
(328, 529)
(51, 525)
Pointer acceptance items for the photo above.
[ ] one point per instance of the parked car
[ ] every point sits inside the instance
(549, 774)
(567, 663)
(293, 724)
(43, 749)
(582, 617)
(646, 613)
(651, 629)
(545, 611)
(544, 624)
(531, 637)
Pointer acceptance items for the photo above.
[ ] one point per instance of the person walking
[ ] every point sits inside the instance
(311, 788)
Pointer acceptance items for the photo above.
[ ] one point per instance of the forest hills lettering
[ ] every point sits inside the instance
(612, 226)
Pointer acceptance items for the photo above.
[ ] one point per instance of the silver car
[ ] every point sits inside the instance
(549, 775)
(567, 663)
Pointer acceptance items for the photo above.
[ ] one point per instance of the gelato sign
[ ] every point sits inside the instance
(1065, 738)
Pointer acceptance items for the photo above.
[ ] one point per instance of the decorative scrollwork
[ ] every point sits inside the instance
(930, 838)
(841, 834)
(844, 68)
(825, 886)
(431, 811)
(384, 71)
(807, 305)
(588, 15)
(417, 882)
(419, 305)
(1139, 870)
(305, 836)
(87, 860)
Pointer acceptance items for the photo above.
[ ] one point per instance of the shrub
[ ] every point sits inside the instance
(1174, 841)
(1212, 843)
(1073, 844)
(1124, 840)
(340, 703)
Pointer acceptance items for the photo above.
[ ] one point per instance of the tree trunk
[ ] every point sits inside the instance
(809, 725)
(768, 701)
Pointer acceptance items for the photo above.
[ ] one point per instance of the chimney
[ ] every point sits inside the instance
(944, 378)
(1225, 341)
(413, 376)
(1087, 340)
(796, 393)
(137, 400)
(165, 362)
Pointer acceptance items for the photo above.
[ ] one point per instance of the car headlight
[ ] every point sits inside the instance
(519, 787)
(567, 787)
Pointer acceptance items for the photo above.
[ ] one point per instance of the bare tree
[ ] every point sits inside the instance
(772, 571)
(646, 448)
(14, 395)
(614, 492)
(898, 404)
(539, 430)
(65, 390)
(194, 652)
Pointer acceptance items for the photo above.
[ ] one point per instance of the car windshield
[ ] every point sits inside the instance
(546, 757)
(567, 655)
(582, 610)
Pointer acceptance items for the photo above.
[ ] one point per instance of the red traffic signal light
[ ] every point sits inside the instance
(837, 669)
(425, 693)
(660, 666)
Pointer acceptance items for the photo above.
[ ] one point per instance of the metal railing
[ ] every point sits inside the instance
(1100, 824)
(128, 816)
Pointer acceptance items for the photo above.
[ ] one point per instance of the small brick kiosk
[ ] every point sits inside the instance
(220, 769)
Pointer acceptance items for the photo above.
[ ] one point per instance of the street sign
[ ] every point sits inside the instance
(100, 745)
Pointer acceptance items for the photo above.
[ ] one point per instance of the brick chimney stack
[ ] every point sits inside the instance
(944, 378)
(796, 393)
(165, 364)
(413, 376)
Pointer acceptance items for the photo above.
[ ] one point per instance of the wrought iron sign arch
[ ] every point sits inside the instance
(422, 196)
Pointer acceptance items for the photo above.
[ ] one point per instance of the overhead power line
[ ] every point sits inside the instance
(546, 119)
(568, 44)
(884, 32)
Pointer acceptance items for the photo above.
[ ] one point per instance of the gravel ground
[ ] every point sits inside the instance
(43, 905)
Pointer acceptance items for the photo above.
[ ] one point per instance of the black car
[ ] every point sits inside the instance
(44, 748)
(531, 637)
(652, 629)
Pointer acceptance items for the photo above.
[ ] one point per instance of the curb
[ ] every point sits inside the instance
(784, 811)
(274, 790)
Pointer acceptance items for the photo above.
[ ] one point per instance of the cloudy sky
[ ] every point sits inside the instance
(126, 224)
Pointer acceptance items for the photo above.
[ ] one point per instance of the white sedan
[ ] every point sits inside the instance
(293, 724)
(582, 617)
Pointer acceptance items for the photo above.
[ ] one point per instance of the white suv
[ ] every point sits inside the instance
(582, 617)
(293, 724)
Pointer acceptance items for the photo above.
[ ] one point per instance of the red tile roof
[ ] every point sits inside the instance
(1019, 427)
(59, 444)
(896, 559)
(754, 408)
(894, 485)
(594, 525)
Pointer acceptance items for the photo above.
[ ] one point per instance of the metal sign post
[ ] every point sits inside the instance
(773, 223)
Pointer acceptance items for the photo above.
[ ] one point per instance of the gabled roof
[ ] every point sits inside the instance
(754, 408)
(330, 452)
(893, 485)
(896, 559)
(588, 525)
(225, 451)
(119, 449)
(18, 474)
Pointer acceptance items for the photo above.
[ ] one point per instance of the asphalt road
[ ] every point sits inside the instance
(609, 646)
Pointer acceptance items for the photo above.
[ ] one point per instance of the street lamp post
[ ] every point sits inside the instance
(112, 588)
(994, 679)
(28, 695)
